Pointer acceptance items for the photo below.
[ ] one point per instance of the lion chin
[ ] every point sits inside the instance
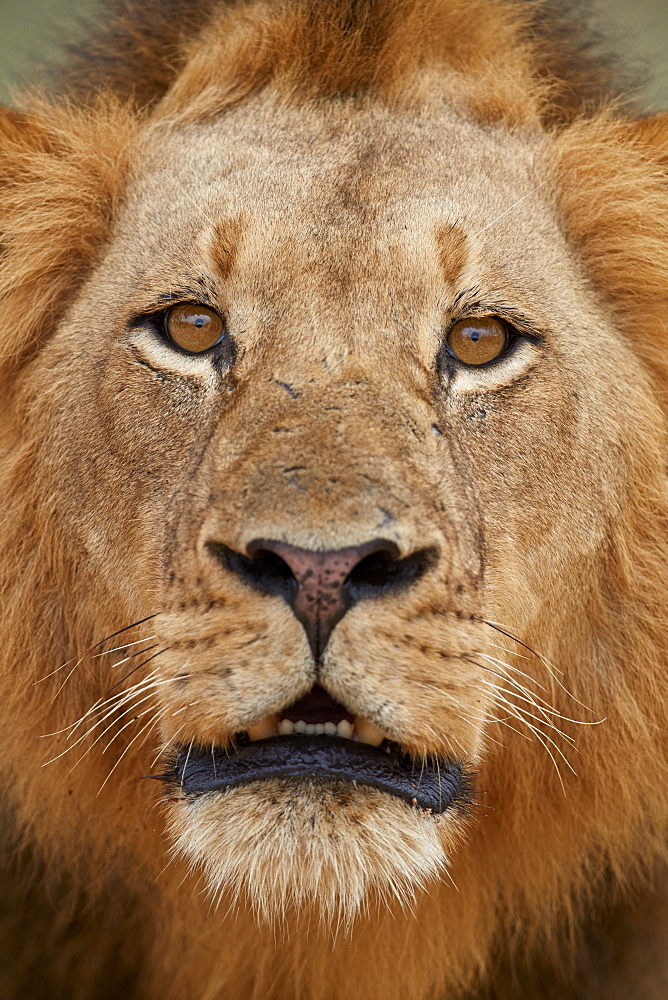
(324, 849)
(317, 817)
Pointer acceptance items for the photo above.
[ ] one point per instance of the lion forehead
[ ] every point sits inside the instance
(263, 157)
(413, 198)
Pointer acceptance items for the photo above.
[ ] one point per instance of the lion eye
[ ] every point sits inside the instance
(477, 341)
(194, 328)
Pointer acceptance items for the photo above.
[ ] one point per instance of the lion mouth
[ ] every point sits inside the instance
(318, 738)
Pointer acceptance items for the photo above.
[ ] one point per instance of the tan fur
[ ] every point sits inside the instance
(341, 181)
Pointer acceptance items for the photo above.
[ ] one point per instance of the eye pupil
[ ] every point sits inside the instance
(194, 328)
(478, 340)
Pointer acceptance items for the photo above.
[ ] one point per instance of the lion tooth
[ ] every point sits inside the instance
(366, 732)
(344, 729)
(362, 730)
(263, 729)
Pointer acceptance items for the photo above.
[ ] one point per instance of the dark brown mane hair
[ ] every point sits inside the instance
(140, 47)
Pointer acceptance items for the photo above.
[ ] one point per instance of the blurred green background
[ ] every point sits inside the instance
(29, 30)
(29, 34)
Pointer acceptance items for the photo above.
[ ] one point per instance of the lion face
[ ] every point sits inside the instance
(336, 520)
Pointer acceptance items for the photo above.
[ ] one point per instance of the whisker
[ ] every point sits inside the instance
(170, 861)
(67, 677)
(126, 699)
(165, 746)
(184, 707)
(549, 709)
(515, 670)
(511, 207)
(130, 722)
(531, 695)
(100, 735)
(511, 652)
(139, 665)
(504, 722)
(99, 706)
(150, 709)
(469, 719)
(538, 733)
(138, 652)
(152, 723)
(509, 635)
(442, 691)
(552, 670)
(95, 646)
(527, 696)
(540, 739)
(491, 719)
(119, 698)
(183, 773)
(126, 645)
(542, 722)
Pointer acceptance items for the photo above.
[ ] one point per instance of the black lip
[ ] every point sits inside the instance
(433, 785)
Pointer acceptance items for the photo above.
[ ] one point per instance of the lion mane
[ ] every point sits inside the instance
(344, 182)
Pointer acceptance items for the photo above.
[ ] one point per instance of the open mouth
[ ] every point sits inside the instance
(316, 737)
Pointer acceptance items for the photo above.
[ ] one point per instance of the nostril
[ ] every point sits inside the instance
(262, 569)
(382, 573)
(321, 586)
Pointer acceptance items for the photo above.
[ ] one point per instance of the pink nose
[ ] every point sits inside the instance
(321, 586)
(322, 589)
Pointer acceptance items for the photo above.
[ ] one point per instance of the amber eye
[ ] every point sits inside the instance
(478, 340)
(193, 328)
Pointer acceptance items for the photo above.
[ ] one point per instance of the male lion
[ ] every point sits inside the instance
(335, 381)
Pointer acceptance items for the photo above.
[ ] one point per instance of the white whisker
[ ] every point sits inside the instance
(125, 645)
(499, 693)
(510, 208)
(152, 723)
(183, 773)
(125, 699)
(90, 649)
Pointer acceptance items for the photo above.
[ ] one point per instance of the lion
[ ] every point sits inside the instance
(334, 509)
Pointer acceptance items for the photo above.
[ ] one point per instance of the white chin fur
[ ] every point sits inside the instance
(329, 849)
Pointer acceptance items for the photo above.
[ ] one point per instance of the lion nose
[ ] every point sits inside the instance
(321, 587)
